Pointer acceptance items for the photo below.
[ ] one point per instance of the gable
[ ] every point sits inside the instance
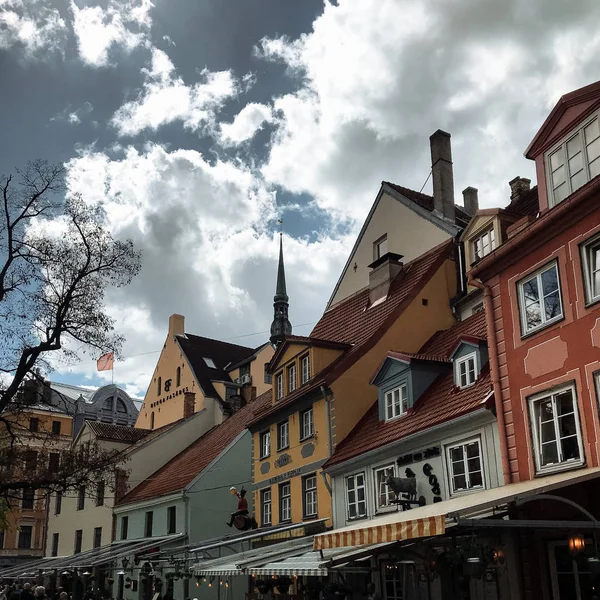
(291, 351)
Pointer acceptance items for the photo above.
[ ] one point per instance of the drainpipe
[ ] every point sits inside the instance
(329, 437)
(493, 353)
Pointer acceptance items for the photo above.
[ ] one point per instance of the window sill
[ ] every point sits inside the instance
(264, 457)
(564, 466)
(473, 490)
(592, 302)
(283, 448)
(286, 522)
(382, 510)
(361, 518)
(404, 414)
(308, 437)
(543, 327)
(310, 517)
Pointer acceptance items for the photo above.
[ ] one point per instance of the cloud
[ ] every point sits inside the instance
(246, 124)
(73, 117)
(165, 98)
(123, 24)
(32, 26)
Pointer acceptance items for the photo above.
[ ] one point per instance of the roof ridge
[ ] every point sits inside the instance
(202, 337)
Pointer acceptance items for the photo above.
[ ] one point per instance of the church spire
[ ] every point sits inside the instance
(281, 325)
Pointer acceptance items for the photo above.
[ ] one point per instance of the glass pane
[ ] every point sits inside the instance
(549, 453)
(560, 193)
(595, 168)
(564, 403)
(566, 586)
(476, 479)
(592, 131)
(530, 291)
(460, 482)
(578, 180)
(570, 448)
(552, 305)
(473, 450)
(360, 480)
(456, 454)
(474, 464)
(352, 511)
(557, 159)
(576, 163)
(558, 176)
(564, 562)
(458, 468)
(350, 484)
(566, 426)
(574, 146)
(550, 281)
(360, 494)
(548, 433)
(593, 150)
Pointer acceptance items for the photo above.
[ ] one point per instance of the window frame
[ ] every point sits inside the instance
(264, 435)
(450, 468)
(586, 268)
(383, 507)
(282, 497)
(304, 360)
(305, 492)
(303, 413)
(490, 233)
(55, 542)
(78, 542)
(280, 427)
(100, 493)
(81, 498)
(356, 502)
(535, 430)
(34, 424)
(97, 541)
(403, 408)
(458, 375)
(148, 523)
(562, 145)
(292, 378)
(279, 386)
(124, 527)
(521, 299)
(20, 545)
(28, 503)
(377, 254)
(264, 504)
(171, 520)
(58, 503)
(268, 378)
(56, 427)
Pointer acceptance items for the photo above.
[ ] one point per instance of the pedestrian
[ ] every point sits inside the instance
(4, 593)
(40, 592)
(63, 596)
(27, 594)
(57, 593)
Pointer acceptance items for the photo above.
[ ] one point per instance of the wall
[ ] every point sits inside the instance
(408, 234)
(136, 513)
(257, 370)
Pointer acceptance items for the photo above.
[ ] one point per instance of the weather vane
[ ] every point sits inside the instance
(280, 221)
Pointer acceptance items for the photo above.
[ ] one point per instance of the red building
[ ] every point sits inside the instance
(541, 286)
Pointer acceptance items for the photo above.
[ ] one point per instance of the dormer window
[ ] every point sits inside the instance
(380, 247)
(466, 370)
(396, 402)
(574, 161)
(279, 386)
(484, 244)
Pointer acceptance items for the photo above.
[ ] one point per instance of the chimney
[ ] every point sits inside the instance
(518, 187)
(176, 325)
(470, 200)
(383, 272)
(443, 179)
(189, 403)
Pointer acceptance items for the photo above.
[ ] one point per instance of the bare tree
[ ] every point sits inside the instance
(57, 260)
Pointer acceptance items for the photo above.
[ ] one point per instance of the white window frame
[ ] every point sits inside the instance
(576, 592)
(305, 368)
(450, 467)
(520, 289)
(536, 428)
(487, 242)
(279, 385)
(285, 508)
(458, 364)
(309, 496)
(377, 247)
(265, 443)
(292, 378)
(307, 425)
(394, 409)
(283, 435)
(591, 295)
(389, 494)
(356, 502)
(266, 506)
(562, 146)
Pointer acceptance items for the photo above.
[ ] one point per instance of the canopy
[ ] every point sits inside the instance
(434, 519)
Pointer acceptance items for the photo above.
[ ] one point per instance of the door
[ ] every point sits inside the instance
(571, 579)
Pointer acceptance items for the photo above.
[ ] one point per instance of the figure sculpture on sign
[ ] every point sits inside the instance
(240, 517)
(403, 485)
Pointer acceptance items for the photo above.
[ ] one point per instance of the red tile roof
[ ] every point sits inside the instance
(183, 468)
(117, 433)
(444, 342)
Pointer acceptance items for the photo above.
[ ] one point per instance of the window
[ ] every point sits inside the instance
(465, 466)
(265, 444)
(108, 405)
(466, 370)
(58, 504)
(124, 527)
(148, 524)
(81, 498)
(25, 536)
(484, 244)
(279, 386)
(268, 376)
(97, 537)
(285, 502)
(305, 367)
(397, 580)
(230, 391)
(152, 420)
(121, 407)
(307, 426)
(396, 402)
(309, 495)
(56, 427)
(265, 507)
(209, 362)
(291, 374)
(1, 539)
(54, 544)
(539, 299)
(477, 308)
(384, 496)
(100, 494)
(570, 577)
(380, 247)
(159, 386)
(34, 425)
(355, 496)
(557, 438)
(78, 541)
(245, 370)
(171, 519)
(283, 435)
(590, 258)
(178, 377)
(31, 460)
(28, 500)
(574, 162)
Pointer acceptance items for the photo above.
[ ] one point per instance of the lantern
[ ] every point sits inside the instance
(576, 544)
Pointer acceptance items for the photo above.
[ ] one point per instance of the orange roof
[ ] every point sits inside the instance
(183, 468)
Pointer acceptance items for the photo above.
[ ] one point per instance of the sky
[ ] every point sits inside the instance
(199, 123)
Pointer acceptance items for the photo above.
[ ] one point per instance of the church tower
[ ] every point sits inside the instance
(281, 325)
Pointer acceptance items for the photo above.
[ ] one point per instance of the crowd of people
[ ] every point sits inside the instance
(29, 592)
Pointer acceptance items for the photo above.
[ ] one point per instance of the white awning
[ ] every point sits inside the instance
(433, 519)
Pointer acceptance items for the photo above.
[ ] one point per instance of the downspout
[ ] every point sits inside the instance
(495, 373)
(329, 438)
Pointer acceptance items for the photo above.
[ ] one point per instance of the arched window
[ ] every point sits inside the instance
(152, 420)
(121, 406)
(178, 376)
(159, 386)
(108, 405)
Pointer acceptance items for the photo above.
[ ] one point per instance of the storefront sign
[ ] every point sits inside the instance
(285, 476)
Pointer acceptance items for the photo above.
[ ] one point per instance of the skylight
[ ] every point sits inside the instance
(209, 362)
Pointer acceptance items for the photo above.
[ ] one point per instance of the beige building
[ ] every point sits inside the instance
(214, 371)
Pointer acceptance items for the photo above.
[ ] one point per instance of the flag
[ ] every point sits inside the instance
(106, 361)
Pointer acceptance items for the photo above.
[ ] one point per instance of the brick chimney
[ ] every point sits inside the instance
(470, 200)
(189, 404)
(383, 272)
(518, 187)
(176, 325)
(443, 178)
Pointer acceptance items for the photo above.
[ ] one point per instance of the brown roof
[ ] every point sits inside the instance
(526, 205)
(117, 433)
(183, 468)
(443, 343)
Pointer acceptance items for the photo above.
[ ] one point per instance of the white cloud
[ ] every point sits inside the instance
(246, 124)
(73, 117)
(165, 98)
(31, 25)
(123, 24)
